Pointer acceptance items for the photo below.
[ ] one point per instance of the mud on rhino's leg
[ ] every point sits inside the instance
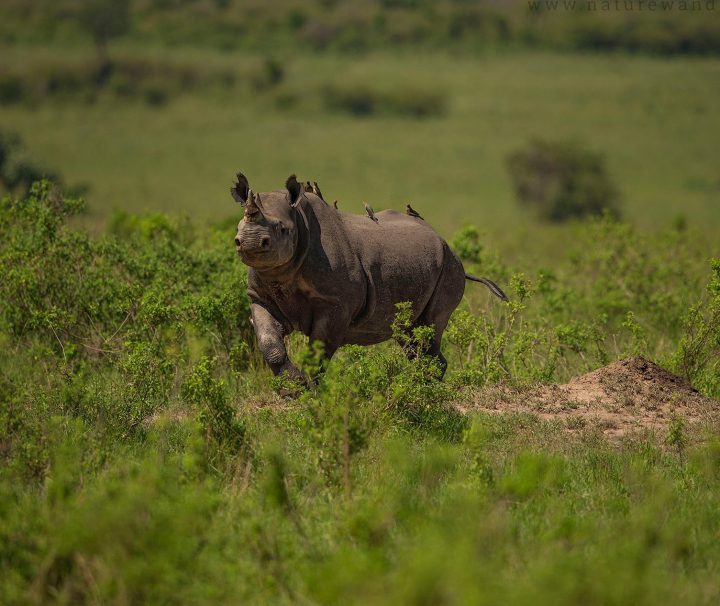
(270, 335)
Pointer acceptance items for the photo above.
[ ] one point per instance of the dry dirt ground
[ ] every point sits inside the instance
(631, 395)
(625, 396)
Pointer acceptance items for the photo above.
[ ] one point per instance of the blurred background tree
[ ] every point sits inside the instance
(17, 170)
(104, 20)
(562, 180)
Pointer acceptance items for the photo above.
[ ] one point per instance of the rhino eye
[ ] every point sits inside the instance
(283, 229)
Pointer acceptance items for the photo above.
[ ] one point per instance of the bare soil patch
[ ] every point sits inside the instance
(628, 395)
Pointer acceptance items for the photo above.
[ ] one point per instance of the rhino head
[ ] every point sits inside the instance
(267, 235)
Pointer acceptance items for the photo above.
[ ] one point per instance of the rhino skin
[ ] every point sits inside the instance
(337, 277)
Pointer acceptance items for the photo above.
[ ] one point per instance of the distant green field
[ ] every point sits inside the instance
(655, 119)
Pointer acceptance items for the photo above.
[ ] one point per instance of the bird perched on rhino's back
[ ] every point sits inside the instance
(336, 277)
(409, 210)
(370, 212)
(316, 190)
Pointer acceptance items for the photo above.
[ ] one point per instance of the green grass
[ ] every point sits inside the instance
(144, 457)
(514, 513)
(652, 118)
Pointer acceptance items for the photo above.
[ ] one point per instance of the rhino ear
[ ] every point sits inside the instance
(240, 190)
(294, 188)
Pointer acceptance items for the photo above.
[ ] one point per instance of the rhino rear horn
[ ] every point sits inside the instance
(258, 202)
(240, 190)
(294, 188)
(253, 210)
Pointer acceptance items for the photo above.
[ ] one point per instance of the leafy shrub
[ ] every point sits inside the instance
(155, 95)
(11, 88)
(105, 20)
(669, 36)
(416, 103)
(626, 294)
(146, 504)
(365, 101)
(698, 355)
(318, 35)
(221, 427)
(357, 101)
(562, 180)
(154, 82)
(136, 302)
(124, 309)
(466, 244)
(269, 75)
(17, 171)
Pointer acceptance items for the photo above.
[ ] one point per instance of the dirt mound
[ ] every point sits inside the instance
(627, 395)
(634, 381)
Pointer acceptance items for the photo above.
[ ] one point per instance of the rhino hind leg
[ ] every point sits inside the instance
(433, 349)
(441, 360)
(446, 296)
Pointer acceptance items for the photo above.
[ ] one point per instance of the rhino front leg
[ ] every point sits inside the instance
(330, 326)
(270, 335)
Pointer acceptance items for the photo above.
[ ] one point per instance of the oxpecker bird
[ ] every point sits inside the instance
(370, 212)
(412, 212)
(316, 191)
(308, 187)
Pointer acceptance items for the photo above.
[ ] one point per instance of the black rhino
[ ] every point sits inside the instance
(337, 277)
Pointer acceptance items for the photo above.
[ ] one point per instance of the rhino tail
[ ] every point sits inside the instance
(494, 288)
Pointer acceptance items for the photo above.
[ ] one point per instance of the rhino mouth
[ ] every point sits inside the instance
(250, 256)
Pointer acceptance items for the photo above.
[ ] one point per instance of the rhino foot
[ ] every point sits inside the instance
(291, 383)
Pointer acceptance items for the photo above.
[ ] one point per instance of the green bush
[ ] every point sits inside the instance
(561, 180)
(154, 82)
(11, 88)
(104, 20)
(365, 101)
(698, 354)
(17, 170)
(217, 417)
(269, 75)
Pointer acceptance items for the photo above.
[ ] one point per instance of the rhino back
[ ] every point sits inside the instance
(402, 258)
(396, 247)
(399, 251)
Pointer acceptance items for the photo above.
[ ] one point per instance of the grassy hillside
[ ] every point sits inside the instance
(653, 119)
